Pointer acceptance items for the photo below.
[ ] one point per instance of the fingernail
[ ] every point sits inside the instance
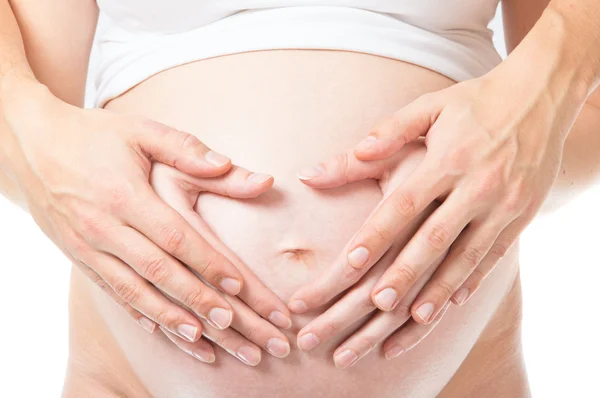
(204, 356)
(386, 298)
(367, 143)
(394, 352)
(231, 286)
(308, 341)
(216, 158)
(309, 173)
(358, 257)
(425, 311)
(187, 331)
(461, 295)
(298, 306)
(279, 319)
(258, 178)
(147, 324)
(248, 355)
(278, 348)
(220, 317)
(345, 359)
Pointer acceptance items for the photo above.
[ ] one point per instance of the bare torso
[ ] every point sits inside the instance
(275, 112)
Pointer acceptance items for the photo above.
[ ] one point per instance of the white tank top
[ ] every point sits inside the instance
(144, 37)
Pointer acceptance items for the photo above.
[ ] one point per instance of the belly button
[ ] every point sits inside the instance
(306, 256)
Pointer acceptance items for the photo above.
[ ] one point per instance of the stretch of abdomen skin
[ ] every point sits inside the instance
(275, 112)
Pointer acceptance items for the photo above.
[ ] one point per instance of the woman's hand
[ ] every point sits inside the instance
(494, 148)
(395, 329)
(248, 332)
(85, 176)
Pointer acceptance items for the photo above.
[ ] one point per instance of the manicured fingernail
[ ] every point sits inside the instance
(394, 352)
(308, 341)
(279, 319)
(231, 286)
(188, 332)
(216, 158)
(367, 143)
(425, 311)
(461, 295)
(298, 306)
(278, 348)
(386, 298)
(358, 257)
(147, 324)
(258, 178)
(204, 356)
(220, 317)
(309, 173)
(345, 359)
(248, 355)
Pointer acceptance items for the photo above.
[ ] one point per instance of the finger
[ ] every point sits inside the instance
(343, 169)
(379, 327)
(178, 149)
(254, 293)
(137, 316)
(170, 277)
(410, 335)
(464, 256)
(201, 349)
(170, 231)
(258, 330)
(405, 125)
(235, 344)
(499, 249)
(143, 297)
(368, 245)
(430, 242)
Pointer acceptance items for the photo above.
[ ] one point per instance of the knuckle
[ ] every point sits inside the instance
(403, 275)
(351, 274)
(404, 203)
(258, 304)
(128, 291)
(471, 257)
(174, 240)
(367, 305)
(207, 264)
(223, 340)
(252, 333)
(437, 237)
(163, 318)
(194, 298)
(444, 289)
(403, 310)
(330, 329)
(500, 249)
(91, 225)
(155, 270)
(342, 163)
(383, 233)
(76, 246)
(188, 141)
(477, 276)
(118, 197)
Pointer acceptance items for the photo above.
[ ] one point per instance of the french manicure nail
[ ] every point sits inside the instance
(367, 143)
(461, 295)
(278, 348)
(425, 311)
(147, 324)
(258, 178)
(308, 341)
(220, 317)
(298, 306)
(394, 352)
(279, 319)
(231, 286)
(358, 257)
(248, 355)
(204, 356)
(187, 331)
(386, 298)
(345, 359)
(216, 158)
(309, 173)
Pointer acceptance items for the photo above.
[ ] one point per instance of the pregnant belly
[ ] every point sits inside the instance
(275, 112)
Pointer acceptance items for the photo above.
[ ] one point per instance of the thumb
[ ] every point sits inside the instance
(405, 125)
(181, 150)
(343, 169)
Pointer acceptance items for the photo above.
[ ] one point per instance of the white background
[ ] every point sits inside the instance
(560, 273)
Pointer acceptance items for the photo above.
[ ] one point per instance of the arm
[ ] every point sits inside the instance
(580, 167)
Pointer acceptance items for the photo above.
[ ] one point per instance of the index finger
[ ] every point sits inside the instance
(170, 231)
(373, 239)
